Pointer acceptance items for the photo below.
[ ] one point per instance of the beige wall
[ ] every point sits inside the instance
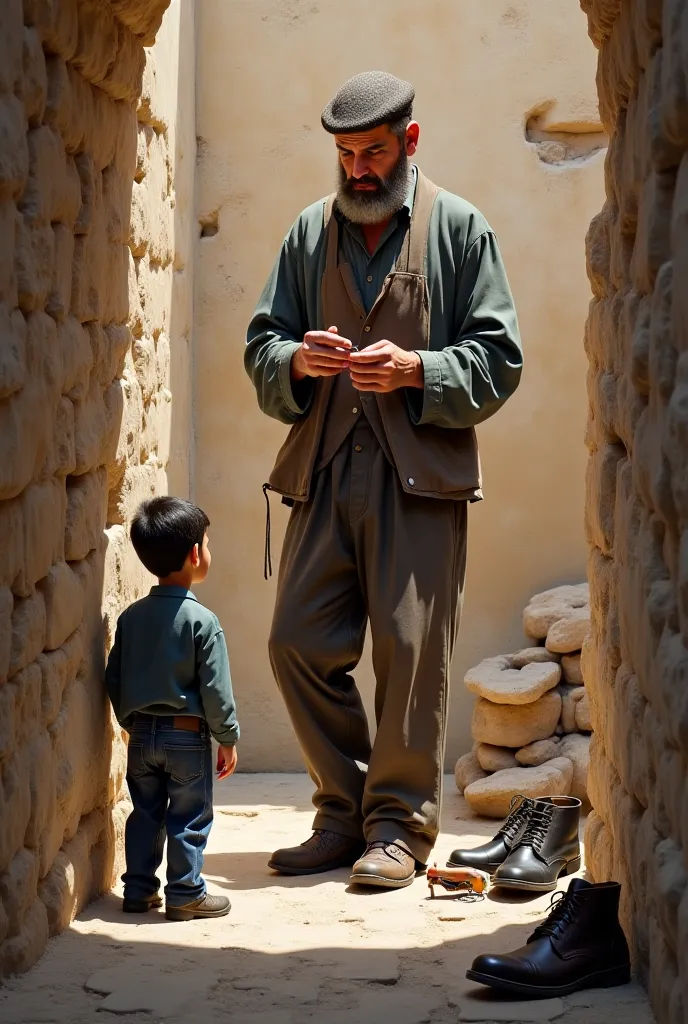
(96, 291)
(637, 501)
(265, 70)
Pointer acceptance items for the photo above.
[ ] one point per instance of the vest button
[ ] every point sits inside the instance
(354, 410)
(367, 328)
(411, 481)
(357, 448)
(369, 278)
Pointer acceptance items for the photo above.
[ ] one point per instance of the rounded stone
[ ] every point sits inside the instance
(582, 714)
(495, 759)
(531, 655)
(570, 698)
(496, 680)
(515, 726)
(538, 752)
(467, 770)
(492, 796)
(577, 748)
(569, 634)
(547, 608)
(571, 668)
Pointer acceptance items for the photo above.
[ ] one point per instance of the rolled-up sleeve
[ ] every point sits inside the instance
(469, 380)
(275, 332)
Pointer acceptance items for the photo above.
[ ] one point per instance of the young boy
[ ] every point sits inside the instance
(169, 683)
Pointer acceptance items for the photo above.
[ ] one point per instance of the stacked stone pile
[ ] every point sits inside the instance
(531, 721)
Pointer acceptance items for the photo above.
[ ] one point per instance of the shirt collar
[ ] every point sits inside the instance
(177, 592)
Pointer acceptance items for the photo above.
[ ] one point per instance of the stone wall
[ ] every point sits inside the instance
(637, 487)
(92, 290)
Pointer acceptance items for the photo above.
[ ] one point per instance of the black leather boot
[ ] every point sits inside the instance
(547, 848)
(490, 855)
(579, 945)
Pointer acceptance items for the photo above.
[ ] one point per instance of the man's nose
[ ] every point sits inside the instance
(360, 167)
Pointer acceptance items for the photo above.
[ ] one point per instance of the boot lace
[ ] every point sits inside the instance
(539, 821)
(563, 907)
(519, 809)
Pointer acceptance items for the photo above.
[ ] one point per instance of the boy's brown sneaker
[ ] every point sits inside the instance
(206, 906)
(133, 906)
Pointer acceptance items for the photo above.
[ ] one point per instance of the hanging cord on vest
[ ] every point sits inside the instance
(267, 559)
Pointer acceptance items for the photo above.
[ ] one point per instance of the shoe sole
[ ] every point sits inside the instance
(378, 882)
(599, 979)
(180, 914)
(517, 883)
(283, 869)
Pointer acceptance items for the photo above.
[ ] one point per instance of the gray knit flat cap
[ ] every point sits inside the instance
(366, 101)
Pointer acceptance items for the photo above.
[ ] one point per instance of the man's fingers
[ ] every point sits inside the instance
(369, 372)
(327, 338)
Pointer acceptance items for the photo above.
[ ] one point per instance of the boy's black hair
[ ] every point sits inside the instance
(163, 532)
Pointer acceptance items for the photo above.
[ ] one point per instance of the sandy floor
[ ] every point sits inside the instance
(292, 950)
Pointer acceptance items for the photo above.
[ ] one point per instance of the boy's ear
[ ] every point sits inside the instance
(195, 555)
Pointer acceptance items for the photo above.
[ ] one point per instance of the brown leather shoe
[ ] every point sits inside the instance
(385, 865)
(206, 906)
(324, 851)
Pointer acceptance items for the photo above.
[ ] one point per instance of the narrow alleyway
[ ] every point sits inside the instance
(296, 950)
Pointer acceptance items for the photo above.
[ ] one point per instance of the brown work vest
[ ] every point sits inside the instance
(433, 461)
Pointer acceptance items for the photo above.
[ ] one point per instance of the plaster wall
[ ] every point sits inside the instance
(508, 111)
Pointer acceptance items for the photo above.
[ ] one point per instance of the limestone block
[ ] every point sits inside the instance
(582, 714)
(663, 356)
(18, 887)
(97, 40)
(91, 190)
(56, 23)
(117, 187)
(53, 666)
(43, 514)
(570, 699)
(28, 631)
(652, 246)
(8, 700)
(577, 749)
(597, 251)
(42, 788)
(57, 305)
(571, 667)
(14, 150)
(568, 635)
(6, 608)
(20, 952)
(532, 655)
(124, 78)
(12, 548)
(504, 725)
(27, 718)
(496, 680)
(549, 607)
(11, 29)
(113, 399)
(538, 752)
(492, 796)
(35, 77)
(674, 85)
(467, 770)
(676, 436)
(35, 253)
(12, 352)
(89, 427)
(495, 759)
(142, 17)
(8, 277)
(86, 508)
(155, 291)
(63, 461)
(64, 604)
(600, 481)
(115, 297)
(47, 179)
(144, 365)
(15, 806)
(76, 358)
(138, 484)
(116, 345)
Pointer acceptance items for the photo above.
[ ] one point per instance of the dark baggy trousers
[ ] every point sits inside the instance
(361, 549)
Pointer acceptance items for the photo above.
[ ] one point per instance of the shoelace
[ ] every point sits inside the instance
(563, 907)
(538, 822)
(518, 808)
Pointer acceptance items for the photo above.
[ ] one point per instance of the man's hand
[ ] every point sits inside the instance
(384, 367)
(322, 354)
(226, 761)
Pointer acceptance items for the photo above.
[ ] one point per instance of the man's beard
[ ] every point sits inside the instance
(368, 207)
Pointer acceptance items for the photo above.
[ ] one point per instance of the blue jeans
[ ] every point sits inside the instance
(170, 779)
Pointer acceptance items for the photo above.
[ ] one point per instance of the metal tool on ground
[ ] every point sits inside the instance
(465, 882)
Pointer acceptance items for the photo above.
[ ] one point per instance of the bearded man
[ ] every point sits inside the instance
(384, 334)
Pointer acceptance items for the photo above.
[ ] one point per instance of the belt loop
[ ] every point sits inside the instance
(267, 558)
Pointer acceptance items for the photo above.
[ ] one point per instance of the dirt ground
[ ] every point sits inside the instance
(298, 949)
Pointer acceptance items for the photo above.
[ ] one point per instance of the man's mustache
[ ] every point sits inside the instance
(367, 179)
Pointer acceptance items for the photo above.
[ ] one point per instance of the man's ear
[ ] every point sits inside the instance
(411, 139)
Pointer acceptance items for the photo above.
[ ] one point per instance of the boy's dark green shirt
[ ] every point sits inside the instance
(170, 658)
